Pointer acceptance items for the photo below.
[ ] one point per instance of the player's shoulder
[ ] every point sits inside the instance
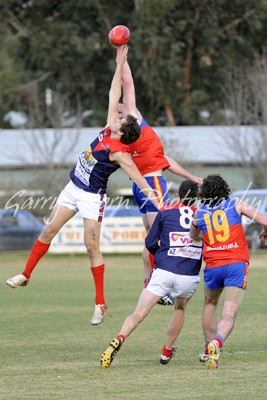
(115, 145)
(105, 131)
(143, 122)
(169, 207)
(177, 206)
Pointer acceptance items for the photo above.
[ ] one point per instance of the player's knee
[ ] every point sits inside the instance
(48, 234)
(92, 249)
(212, 302)
(139, 316)
(229, 317)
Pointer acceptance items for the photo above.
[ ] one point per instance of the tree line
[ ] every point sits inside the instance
(56, 61)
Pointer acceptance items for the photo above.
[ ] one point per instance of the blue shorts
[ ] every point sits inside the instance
(228, 275)
(159, 185)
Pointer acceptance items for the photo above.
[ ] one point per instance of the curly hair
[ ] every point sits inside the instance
(188, 192)
(130, 129)
(214, 190)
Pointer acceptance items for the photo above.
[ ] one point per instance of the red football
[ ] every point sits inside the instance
(119, 35)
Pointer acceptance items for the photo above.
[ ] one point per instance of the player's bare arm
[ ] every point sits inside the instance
(129, 96)
(180, 171)
(126, 162)
(115, 88)
(244, 209)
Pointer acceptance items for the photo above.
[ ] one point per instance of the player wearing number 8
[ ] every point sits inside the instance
(225, 251)
(178, 261)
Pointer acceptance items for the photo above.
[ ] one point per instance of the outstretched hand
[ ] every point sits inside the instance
(122, 53)
(198, 180)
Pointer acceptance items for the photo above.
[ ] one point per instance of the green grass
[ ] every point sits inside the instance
(49, 350)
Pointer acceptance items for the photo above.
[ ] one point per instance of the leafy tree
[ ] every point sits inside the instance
(181, 52)
(189, 46)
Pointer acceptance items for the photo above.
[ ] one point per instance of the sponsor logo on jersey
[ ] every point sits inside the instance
(87, 158)
(183, 239)
(185, 252)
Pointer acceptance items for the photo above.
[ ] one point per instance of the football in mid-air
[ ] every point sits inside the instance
(119, 35)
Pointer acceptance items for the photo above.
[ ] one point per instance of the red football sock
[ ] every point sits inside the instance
(98, 274)
(166, 352)
(38, 251)
(219, 341)
(122, 337)
(152, 262)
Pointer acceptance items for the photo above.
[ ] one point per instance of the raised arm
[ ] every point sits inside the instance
(129, 96)
(126, 162)
(115, 88)
(180, 171)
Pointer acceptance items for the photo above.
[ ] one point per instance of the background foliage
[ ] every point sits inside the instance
(181, 54)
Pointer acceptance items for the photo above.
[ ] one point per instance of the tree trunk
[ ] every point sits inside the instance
(169, 115)
(188, 56)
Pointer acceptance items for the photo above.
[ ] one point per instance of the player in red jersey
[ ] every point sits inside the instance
(225, 251)
(148, 155)
(86, 191)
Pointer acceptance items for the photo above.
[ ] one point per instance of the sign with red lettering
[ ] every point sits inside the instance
(118, 235)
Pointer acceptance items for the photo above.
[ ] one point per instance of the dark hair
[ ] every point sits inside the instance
(214, 190)
(130, 129)
(188, 192)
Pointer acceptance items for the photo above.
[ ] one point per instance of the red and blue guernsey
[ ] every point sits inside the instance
(177, 252)
(94, 167)
(147, 151)
(223, 234)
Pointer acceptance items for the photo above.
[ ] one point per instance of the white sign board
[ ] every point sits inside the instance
(118, 235)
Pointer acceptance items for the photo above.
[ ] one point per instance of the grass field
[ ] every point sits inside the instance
(49, 350)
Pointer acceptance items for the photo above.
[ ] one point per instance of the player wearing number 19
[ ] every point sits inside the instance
(225, 252)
